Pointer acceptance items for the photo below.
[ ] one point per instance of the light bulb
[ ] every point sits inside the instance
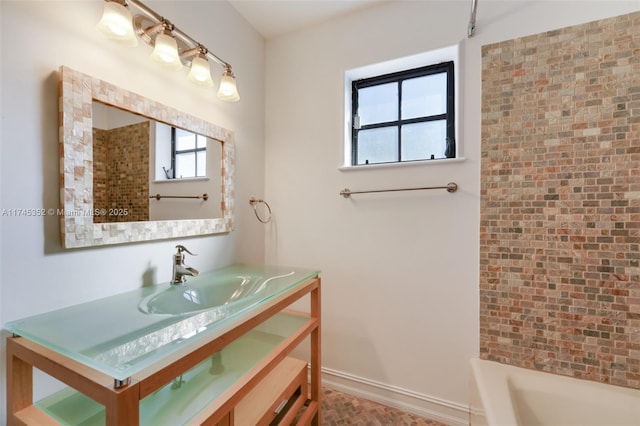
(116, 24)
(228, 91)
(200, 72)
(165, 51)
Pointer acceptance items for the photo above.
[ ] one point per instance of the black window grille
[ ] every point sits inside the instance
(404, 116)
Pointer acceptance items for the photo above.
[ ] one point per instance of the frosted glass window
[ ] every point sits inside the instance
(424, 96)
(378, 104)
(201, 141)
(185, 140)
(378, 145)
(404, 116)
(189, 154)
(186, 165)
(424, 140)
(201, 163)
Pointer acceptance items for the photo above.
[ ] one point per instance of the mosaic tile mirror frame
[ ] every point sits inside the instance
(77, 92)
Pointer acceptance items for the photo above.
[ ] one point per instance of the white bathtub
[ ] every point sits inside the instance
(503, 395)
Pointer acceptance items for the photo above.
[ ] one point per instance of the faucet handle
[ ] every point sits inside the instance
(182, 248)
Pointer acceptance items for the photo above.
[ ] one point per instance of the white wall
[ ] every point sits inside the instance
(400, 271)
(37, 275)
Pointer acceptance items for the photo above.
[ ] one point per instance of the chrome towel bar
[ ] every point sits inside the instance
(158, 197)
(450, 187)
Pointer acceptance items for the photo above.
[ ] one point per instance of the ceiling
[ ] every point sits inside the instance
(272, 18)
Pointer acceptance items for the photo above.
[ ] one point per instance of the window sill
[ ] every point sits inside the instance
(402, 165)
(184, 180)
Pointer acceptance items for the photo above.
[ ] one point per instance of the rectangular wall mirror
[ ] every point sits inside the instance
(136, 170)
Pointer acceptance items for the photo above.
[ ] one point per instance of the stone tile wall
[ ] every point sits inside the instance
(100, 174)
(121, 173)
(560, 201)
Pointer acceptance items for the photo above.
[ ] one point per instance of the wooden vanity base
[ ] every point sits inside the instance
(251, 400)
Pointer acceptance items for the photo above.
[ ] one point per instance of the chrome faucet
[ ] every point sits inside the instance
(180, 270)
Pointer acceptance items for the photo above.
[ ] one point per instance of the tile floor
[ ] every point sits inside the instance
(339, 408)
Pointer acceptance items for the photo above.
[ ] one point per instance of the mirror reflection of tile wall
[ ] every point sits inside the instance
(100, 172)
(121, 173)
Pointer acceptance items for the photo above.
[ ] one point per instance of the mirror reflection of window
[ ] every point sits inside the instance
(189, 154)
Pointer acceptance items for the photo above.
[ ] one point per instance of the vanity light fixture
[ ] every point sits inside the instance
(200, 72)
(116, 23)
(165, 48)
(228, 91)
(172, 47)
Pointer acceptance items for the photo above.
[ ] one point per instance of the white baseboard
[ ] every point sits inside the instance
(451, 413)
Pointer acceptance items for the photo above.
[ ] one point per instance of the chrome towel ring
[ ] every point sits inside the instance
(254, 202)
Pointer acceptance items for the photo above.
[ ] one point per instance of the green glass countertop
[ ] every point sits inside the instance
(123, 334)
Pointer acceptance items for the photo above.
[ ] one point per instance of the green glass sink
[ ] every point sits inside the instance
(122, 334)
(219, 292)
